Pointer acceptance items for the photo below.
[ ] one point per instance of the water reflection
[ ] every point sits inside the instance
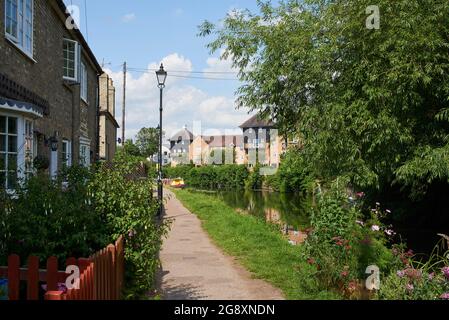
(288, 211)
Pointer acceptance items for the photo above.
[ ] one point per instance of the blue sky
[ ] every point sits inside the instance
(146, 32)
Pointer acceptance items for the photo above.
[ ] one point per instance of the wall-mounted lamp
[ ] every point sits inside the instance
(54, 143)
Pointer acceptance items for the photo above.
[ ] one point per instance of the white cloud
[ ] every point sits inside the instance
(184, 104)
(129, 17)
(220, 68)
(178, 12)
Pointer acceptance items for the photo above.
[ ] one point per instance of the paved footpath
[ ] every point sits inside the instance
(193, 268)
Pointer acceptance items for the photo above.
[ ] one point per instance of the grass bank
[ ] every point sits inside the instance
(258, 246)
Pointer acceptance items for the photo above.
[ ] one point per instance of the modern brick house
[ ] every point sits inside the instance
(49, 92)
(261, 142)
(108, 125)
(180, 147)
(203, 146)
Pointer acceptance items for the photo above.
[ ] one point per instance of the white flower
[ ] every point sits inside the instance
(375, 228)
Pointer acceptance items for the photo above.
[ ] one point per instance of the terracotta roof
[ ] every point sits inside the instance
(256, 122)
(183, 134)
(223, 141)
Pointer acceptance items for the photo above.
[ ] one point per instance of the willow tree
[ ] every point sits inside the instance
(370, 103)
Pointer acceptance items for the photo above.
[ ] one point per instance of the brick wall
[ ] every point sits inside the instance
(108, 125)
(43, 75)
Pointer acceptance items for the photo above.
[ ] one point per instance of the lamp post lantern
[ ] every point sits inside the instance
(161, 75)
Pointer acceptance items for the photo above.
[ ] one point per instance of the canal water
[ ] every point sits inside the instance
(288, 211)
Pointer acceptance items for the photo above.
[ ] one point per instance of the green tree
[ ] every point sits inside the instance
(371, 105)
(147, 141)
(129, 149)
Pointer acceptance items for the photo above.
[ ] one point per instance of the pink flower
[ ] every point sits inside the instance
(445, 296)
(410, 287)
(431, 276)
(360, 222)
(360, 194)
(409, 253)
(388, 211)
(445, 271)
(311, 261)
(400, 273)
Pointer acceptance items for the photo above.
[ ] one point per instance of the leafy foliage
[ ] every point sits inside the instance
(129, 209)
(147, 141)
(80, 213)
(368, 104)
(292, 175)
(43, 220)
(413, 279)
(129, 149)
(210, 177)
(341, 245)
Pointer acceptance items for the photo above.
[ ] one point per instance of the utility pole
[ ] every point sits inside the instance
(124, 105)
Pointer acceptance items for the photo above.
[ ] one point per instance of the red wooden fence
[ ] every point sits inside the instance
(101, 276)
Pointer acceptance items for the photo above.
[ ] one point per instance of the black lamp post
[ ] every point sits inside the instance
(161, 75)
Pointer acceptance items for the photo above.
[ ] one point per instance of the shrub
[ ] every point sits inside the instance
(80, 213)
(341, 246)
(412, 279)
(45, 220)
(292, 175)
(129, 209)
(255, 179)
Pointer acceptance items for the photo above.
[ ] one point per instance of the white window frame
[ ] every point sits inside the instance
(21, 145)
(85, 155)
(21, 23)
(29, 147)
(77, 61)
(84, 82)
(68, 152)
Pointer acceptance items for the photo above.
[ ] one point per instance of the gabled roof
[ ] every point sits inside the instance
(257, 122)
(183, 134)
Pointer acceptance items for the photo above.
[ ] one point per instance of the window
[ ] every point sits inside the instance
(85, 155)
(66, 154)
(71, 51)
(29, 149)
(8, 152)
(83, 81)
(19, 23)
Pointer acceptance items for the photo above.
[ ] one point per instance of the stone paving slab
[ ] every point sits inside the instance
(193, 268)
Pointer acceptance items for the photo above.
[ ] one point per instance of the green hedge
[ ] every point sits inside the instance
(210, 177)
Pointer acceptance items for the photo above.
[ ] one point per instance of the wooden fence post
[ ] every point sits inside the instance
(119, 247)
(52, 274)
(113, 272)
(33, 278)
(13, 277)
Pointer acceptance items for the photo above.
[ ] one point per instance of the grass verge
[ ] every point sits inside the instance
(258, 246)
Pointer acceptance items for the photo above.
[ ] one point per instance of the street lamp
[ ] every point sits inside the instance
(161, 75)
